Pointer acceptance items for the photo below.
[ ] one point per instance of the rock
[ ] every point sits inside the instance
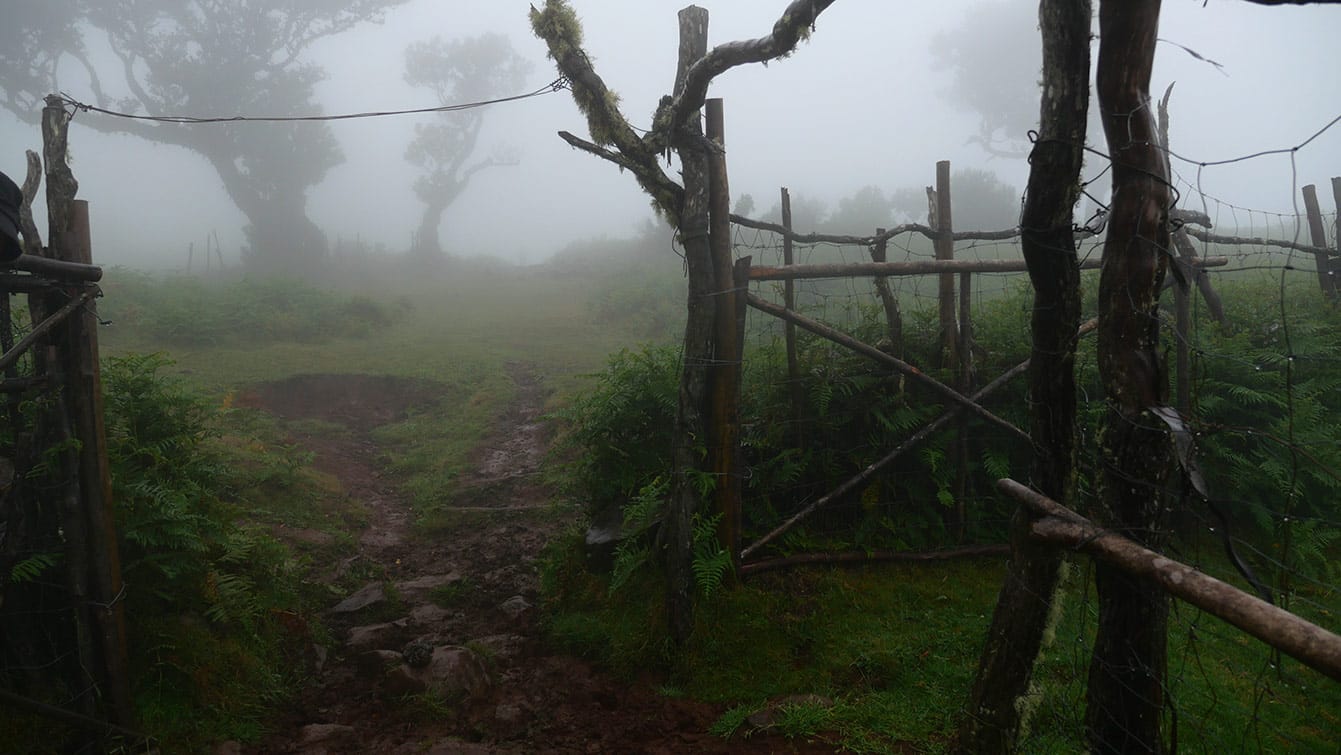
(319, 654)
(429, 614)
(231, 747)
(369, 594)
(509, 721)
(322, 733)
(374, 634)
(515, 607)
(456, 670)
(453, 672)
(403, 680)
(376, 662)
(768, 716)
(461, 747)
(426, 584)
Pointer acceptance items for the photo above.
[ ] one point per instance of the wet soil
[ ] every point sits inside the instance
(470, 592)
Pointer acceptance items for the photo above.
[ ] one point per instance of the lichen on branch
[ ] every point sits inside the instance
(561, 31)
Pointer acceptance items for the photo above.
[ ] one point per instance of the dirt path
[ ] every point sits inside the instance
(458, 624)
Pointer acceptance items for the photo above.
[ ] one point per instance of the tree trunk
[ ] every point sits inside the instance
(690, 426)
(1126, 678)
(1025, 604)
(426, 242)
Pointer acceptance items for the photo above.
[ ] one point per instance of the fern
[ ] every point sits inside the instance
(32, 567)
(711, 561)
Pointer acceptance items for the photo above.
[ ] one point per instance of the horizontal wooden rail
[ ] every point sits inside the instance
(868, 557)
(1215, 238)
(12, 356)
(59, 269)
(847, 240)
(1303, 640)
(921, 267)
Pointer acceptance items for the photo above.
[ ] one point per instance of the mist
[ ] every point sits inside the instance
(868, 101)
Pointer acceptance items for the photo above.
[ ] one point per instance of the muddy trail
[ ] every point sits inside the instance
(442, 650)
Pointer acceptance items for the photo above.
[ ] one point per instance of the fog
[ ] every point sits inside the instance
(862, 103)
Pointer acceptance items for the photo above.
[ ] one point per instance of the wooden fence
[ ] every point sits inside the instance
(64, 639)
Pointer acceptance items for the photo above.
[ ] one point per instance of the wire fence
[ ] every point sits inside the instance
(1265, 391)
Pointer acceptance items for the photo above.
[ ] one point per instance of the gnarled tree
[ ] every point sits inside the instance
(460, 71)
(198, 58)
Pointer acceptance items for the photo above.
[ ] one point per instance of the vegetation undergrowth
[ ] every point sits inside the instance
(220, 611)
(894, 648)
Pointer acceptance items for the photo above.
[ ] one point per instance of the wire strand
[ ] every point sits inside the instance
(550, 88)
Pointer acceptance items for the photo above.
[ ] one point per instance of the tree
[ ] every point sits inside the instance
(676, 125)
(997, 710)
(199, 58)
(993, 60)
(862, 212)
(461, 71)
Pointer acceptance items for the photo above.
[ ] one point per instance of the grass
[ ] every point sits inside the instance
(895, 647)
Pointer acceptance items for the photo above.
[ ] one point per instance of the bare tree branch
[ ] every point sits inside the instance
(558, 26)
(794, 25)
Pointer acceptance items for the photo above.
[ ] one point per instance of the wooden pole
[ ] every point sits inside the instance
(1312, 645)
(691, 417)
(923, 267)
(893, 317)
(84, 382)
(794, 387)
(1182, 326)
(965, 384)
(726, 379)
(945, 250)
(91, 484)
(1318, 234)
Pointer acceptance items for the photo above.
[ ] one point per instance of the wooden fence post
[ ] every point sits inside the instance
(893, 317)
(1319, 236)
(1336, 237)
(965, 384)
(794, 386)
(725, 432)
(99, 588)
(945, 250)
(690, 422)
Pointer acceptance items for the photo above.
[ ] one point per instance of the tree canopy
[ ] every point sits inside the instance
(459, 71)
(202, 58)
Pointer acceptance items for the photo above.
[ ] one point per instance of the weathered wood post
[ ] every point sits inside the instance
(1318, 234)
(725, 435)
(945, 250)
(893, 317)
(794, 387)
(691, 418)
(964, 383)
(100, 588)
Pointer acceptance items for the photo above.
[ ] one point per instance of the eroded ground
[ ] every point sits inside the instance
(450, 658)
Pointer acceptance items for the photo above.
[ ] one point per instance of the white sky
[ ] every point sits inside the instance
(857, 105)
